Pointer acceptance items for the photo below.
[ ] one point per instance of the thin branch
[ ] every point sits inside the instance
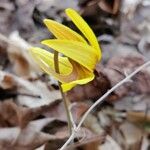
(72, 120)
(100, 100)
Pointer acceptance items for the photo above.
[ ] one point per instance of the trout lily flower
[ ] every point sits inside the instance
(80, 53)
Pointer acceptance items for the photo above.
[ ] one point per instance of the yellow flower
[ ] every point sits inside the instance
(79, 55)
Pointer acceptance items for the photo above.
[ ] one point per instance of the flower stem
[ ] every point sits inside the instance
(65, 100)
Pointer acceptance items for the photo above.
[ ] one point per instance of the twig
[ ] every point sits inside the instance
(71, 117)
(100, 100)
(27, 94)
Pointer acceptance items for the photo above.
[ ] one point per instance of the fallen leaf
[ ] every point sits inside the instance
(132, 136)
(82, 138)
(3, 53)
(6, 81)
(109, 144)
(28, 138)
(29, 93)
(15, 115)
(58, 111)
(110, 6)
(120, 66)
(138, 117)
(24, 20)
(7, 9)
(20, 59)
(101, 15)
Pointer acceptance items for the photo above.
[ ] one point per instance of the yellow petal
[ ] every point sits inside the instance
(85, 29)
(77, 51)
(84, 77)
(78, 75)
(46, 64)
(68, 86)
(48, 57)
(63, 32)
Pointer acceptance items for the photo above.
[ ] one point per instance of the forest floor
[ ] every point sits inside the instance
(32, 115)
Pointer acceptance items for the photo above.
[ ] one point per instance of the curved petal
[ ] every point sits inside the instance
(63, 32)
(48, 66)
(77, 51)
(83, 78)
(79, 74)
(85, 29)
(68, 86)
(48, 57)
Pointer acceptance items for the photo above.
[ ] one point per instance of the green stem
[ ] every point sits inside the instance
(65, 100)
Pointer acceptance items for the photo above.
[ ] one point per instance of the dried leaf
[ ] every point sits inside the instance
(3, 53)
(58, 111)
(132, 136)
(6, 11)
(28, 138)
(110, 7)
(24, 19)
(21, 61)
(138, 117)
(110, 144)
(120, 66)
(29, 93)
(83, 137)
(15, 115)
(6, 81)
(89, 142)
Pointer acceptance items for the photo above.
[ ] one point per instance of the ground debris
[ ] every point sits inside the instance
(32, 114)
